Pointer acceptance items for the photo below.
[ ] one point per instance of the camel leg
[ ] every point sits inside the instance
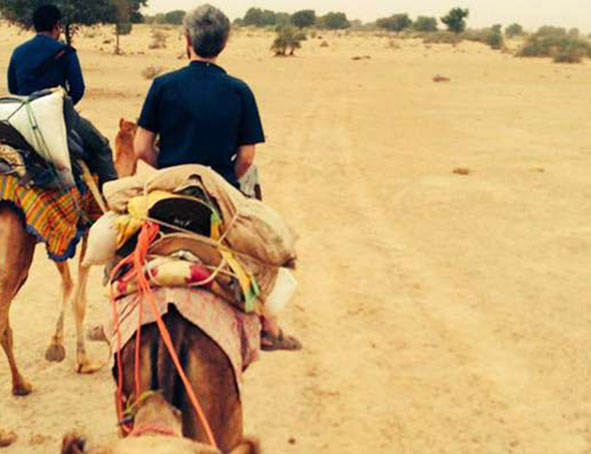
(56, 351)
(83, 363)
(16, 254)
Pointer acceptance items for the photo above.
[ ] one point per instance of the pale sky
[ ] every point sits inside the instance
(529, 13)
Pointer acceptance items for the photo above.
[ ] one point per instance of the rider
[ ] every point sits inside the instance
(44, 62)
(205, 116)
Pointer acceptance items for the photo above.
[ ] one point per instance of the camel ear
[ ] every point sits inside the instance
(121, 123)
(73, 444)
(248, 446)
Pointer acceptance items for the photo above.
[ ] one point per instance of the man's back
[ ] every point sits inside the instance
(203, 116)
(38, 64)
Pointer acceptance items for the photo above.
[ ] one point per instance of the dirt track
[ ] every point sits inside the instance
(441, 313)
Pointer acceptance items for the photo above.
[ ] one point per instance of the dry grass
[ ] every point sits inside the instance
(152, 71)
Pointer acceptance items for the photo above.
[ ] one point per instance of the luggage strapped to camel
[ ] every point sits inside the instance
(188, 220)
(47, 153)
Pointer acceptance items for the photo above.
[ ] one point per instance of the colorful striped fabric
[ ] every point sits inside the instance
(58, 219)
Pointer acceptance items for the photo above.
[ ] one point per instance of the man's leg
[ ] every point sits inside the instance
(96, 146)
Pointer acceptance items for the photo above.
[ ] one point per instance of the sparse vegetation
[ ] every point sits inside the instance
(441, 37)
(514, 30)
(76, 12)
(152, 72)
(304, 18)
(456, 20)
(333, 21)
(556, 43)
(159, 39)
(287, 41)
(492, 37)
(425, 24)
(395, 23)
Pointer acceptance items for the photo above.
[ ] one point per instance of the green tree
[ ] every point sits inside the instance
(334, 21)
(174, 17)
(288, 39)
(513, 30)
(395, 23)
(259, 18)
(495, 38)
(304, 18)
(456, 20)
(425, 24)
(76, 12)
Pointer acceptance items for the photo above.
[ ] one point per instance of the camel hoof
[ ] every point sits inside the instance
(7, 438)
(55, 353)
(22, 389)
(86, 367)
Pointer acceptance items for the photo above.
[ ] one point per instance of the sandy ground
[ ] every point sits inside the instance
(441, 313)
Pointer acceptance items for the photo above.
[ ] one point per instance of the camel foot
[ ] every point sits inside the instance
(55, 353)
(6, 438)
(22, 389)
(85, 366)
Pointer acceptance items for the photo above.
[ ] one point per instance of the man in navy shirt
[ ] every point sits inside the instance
(202, 114)
(44, 62)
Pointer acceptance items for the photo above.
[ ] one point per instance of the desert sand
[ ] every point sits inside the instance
(440, 312)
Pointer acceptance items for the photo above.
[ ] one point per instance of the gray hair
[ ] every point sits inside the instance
(209, 29)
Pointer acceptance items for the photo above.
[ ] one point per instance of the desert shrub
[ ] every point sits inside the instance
(324, 44)
(555, 43)
(492, 37)
(158, 39)
(304, 18)
(570, 55)
(333, 21)
(441, 37)
(395, 23)
(151, 72)
(425, 24)
(174, 17)
(391, 44)
(456, 20)
(313, 34)
(513, 30)
(288, 39)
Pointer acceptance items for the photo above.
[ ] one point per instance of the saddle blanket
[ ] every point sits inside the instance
(236, 333)
(56, 218)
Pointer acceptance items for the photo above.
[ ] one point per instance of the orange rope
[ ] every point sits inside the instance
(147, 234)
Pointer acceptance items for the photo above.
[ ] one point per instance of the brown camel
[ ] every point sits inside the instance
(158, 431)
(208, 369)
(125, 160)
(16, 255)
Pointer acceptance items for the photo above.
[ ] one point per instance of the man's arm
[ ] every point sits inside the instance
(244, 160)
(145, 146)
(12, 82)
(74, 78)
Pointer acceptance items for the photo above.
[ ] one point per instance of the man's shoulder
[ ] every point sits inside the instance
(236, 83)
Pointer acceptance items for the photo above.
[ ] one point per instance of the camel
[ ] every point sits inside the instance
(208, 369)
(158, 431)
(125, 160)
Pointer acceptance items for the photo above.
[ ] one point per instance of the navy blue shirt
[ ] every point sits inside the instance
(23, 71)
(203, 116)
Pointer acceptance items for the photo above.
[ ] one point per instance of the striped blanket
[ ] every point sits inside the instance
(58, 219)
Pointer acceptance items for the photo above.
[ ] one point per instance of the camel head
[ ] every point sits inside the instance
(157, 430)
(127, 127)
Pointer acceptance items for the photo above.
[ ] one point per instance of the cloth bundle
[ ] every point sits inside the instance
(211, 235)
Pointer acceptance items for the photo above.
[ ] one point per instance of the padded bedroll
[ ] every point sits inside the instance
(40, 121)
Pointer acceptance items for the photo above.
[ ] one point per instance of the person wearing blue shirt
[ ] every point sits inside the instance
(205, 116)
(44, 62)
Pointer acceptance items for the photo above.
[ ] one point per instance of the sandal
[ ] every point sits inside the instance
(270, 343)
(7, 438)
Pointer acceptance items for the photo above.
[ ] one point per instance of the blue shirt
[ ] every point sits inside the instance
(23, 71)
(203, 116)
